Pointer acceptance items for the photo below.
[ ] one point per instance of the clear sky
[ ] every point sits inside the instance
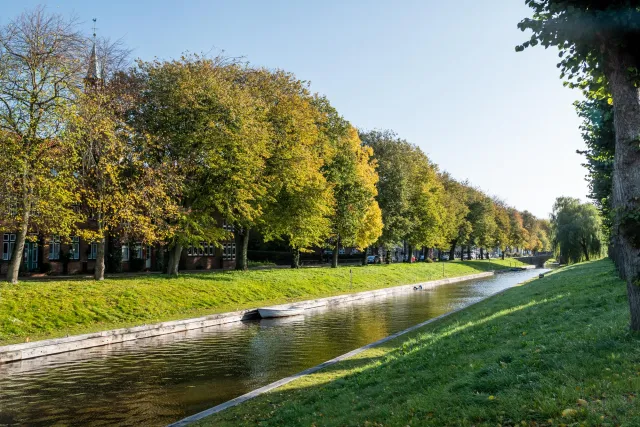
(442, 74)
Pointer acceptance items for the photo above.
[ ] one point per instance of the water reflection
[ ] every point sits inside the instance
(158, 380)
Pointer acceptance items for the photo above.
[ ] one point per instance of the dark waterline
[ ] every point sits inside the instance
(156, 381)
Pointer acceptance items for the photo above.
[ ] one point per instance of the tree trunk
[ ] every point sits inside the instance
(174, 259)
(18, 250)
(295, 259)
(387, 259)
(626, 170)
(468, 252)
(334, 258)
(364, 255)
(410, 257)
(481, 253)
(101, 250)
(452, 251)
(242, 242)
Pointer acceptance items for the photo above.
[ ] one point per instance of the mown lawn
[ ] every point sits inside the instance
(554, 352)
(35, 310)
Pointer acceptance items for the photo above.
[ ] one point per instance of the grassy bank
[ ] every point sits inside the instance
(46, 309)
(554, 352)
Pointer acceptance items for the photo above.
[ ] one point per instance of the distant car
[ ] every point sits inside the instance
(445, 257)
(421, 258)
(373, 259)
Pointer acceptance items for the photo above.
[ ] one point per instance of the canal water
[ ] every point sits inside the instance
(156, 381)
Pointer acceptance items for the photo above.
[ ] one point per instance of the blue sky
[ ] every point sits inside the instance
(442, 74)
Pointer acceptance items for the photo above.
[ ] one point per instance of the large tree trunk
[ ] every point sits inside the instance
(452, 251)
(242, 242)
(334, 258)
(387, 259)
(364, 256)
(174, 259)
(101, 250)
(295, 259)
(626, 172)
(468, 252)
(410, 257)
(18, 250)
(481, 253)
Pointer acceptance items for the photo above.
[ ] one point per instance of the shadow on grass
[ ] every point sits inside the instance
(326, 385)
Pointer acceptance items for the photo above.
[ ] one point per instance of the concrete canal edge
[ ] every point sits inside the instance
(257, 392)
(17, 352)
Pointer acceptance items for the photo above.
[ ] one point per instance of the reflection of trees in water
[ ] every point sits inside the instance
(157, 380)
(152, 383)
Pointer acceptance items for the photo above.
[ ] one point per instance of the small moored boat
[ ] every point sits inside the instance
(271, 312)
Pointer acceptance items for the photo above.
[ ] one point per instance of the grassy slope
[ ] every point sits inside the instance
(47, 309)
(554, 352)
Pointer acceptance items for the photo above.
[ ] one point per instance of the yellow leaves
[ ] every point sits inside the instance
(569, 412)
(582, 402)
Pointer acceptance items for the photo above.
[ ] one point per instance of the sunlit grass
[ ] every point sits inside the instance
(47, 309)
(554, 352)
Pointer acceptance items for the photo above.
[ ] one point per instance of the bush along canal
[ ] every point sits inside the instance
(160, 380)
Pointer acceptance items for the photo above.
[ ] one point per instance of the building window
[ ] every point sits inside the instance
(74, 250)
(125, 252)
(226, 226)
(8, 242)
(93, 250)
(138, 249)
(54, 247)
(211, 250)
(229, 251)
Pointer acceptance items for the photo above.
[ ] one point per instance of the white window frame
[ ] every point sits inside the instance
(54, 247)
(229, 251)
(125, 253)
(74, 248)
(138, 249)
(8, 243)
(93, 250)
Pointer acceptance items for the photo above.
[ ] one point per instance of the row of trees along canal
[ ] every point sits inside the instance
(599, 44)
(161, 151)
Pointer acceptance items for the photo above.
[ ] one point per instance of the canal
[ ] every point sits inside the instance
(156, 381)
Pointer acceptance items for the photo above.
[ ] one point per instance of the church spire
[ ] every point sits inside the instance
(93, 76)
(92, 72)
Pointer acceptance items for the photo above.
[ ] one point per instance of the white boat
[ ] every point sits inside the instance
(271, 312)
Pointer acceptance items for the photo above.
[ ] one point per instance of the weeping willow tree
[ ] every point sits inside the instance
(577, 230)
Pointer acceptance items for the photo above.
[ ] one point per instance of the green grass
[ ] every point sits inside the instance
(556, 351)
(47, 309)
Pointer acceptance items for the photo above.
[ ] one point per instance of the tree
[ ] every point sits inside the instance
(517, 235)
(576, 229)
(426, 207)
(600, 51)
(300, 200)
(389, 152)
(210, 128)
(598, 134)
(482, 219)
(502, 220)
(456, 227)
(352, 175)
(122, 189)
(41, 63)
